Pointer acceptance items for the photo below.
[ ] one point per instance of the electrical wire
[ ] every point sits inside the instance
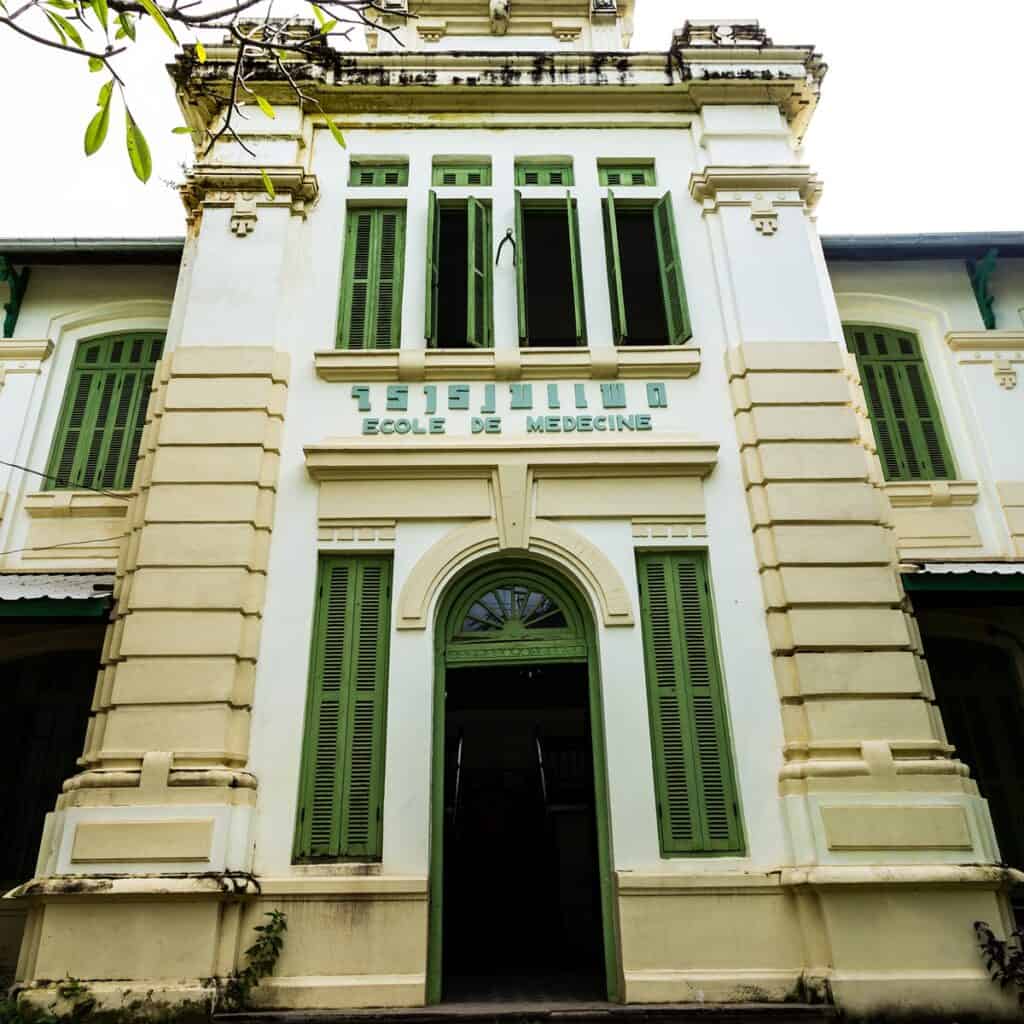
(63, 482)
(66, 544)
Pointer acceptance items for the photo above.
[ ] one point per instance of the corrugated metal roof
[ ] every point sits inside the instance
(60, 587)
(952, 246)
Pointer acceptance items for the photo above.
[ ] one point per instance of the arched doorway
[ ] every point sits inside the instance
(521, 895)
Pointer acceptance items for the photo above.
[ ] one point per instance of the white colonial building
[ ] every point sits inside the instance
(519, 550)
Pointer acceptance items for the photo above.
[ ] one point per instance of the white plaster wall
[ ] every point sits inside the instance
(65, 305)
(1008, 289)
(308, 293)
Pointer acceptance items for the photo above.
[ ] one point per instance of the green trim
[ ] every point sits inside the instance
(341, 788)
(520, 251)
(580, 628)
(56, 608)
(976, 582)
(371, 293)
(462, 175)
(904, 414)
(433, 268)
(557, 173)
(613, 255)
(623, 175)
(694, 774)
(673, 288)
(374, 175)
(18, 282)
(576, 258)
(99, 430)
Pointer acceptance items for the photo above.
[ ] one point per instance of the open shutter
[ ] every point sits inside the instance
(677, 314)
(572, 218)
(904, 414)
(524, 326)
(615, 290)
(343, 762)
(433, 267)
(358, 280)
(478, 248)
(390, 249)
(694, 779)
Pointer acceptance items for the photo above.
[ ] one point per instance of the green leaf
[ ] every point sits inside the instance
(127, 25)
(266, 107)
(200, 52)
(61, 5)
(326, 24)
(268, 185)
(102, 11)
(95, 64)
(336, 132)
(158, 16)
(96, 130)
(138, 149)
(65, 28)
(55, 25)
(182, 130)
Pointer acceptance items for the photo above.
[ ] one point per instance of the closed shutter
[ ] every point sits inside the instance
(545, 174)
(579, 309)
(464, 175)
(693, 772)
(364, 175)
(619, 175)
(433, 267)
(100, 426)
(341, 797)
(372, 289)
(904, 414)
(524, 326)
(478, 248)
(616, 292)
(677, 314)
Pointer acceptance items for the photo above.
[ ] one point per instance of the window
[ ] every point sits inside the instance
(100, 426)
(467, 175)
(904, 414)
(459, 291)
(342, 783)
(365, 174)
(645, 275)
(548, 273)
(694, 781)
(626, 173)
(371, 294)
(553, 173)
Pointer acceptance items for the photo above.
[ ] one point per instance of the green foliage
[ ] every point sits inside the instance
(1004, 960)
(261, 957)
(138, 149)
(96, 132)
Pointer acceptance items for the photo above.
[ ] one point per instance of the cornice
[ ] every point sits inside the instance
(986, 341)
(25, 351)
(932, 493)
(671, 363)
(730, 186)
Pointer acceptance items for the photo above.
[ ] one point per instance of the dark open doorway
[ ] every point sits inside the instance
(522, 917)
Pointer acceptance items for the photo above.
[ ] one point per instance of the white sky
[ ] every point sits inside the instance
(920, 127)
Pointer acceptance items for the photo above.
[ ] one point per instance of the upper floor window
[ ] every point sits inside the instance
(458, 306)
(645, 274)
(100, 426)
(549, 172)
(371, 293)
(904, 415)
(616, 174)
(378, 173)
(467, 173)
(548, 272)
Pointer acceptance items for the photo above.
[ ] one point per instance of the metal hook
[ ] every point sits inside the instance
(508, 238)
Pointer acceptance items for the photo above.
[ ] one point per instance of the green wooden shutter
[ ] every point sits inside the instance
(615, 289)
(555, 173)
(100, 426)
(433, 267)
(577, 268)
(372, 289)
(693, 773)
(618, 175)
(677, 314)
(524, 326)
(904, 415)
(342, 785)
(464, 175)
(365, 175)
(478, 300)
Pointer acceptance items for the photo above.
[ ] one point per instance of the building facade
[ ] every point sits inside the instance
(516, 549)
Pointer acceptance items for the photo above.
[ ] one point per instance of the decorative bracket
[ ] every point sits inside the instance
(763, 189)
(1006, 375)
(18, 283)
(981, 272)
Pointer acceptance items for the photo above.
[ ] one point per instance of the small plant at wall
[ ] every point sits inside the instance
(261, 958)
(1004, 959)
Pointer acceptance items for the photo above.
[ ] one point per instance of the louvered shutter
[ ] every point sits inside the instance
(579, 311)
(372, 287)
(342, 785)
(100, 428)
(524, 325)
(357, 302)
(388, 319)
(615, 289)
(673, 289)
(901, 404)
(545, 174)
(433, 267)
(693, 771)
(478, 249)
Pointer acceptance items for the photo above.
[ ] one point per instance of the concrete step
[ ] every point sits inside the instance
(554, 1013)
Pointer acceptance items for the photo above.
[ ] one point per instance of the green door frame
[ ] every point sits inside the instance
(476, 582)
